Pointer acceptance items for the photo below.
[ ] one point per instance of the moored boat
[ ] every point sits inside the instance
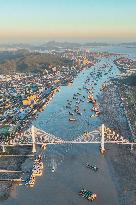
(88, 194)
(72, 119)
(93, 167)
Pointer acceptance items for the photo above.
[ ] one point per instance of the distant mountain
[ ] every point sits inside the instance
(97, 44)
(58, 46)
(55, 44)
(128, 44)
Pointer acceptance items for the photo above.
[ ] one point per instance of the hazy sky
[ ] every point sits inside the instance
(67, 19)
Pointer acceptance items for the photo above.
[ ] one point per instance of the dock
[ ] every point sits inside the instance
(19, 155)
(9, 171)
(12, 180)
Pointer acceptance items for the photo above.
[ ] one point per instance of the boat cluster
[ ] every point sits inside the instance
(76, 111)
(85, 193)
(36, 171)
(88, 88)
(95, 107)
(86, 92)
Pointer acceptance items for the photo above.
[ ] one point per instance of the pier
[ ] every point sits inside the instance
(12, 180)
(9, 171)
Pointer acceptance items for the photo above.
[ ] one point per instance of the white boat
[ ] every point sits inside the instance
(72, 119)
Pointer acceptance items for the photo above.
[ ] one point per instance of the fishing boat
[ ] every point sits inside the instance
(54, 165)
(31, 183)
(93, 116)
(79, 113)
(97, 113)
(95, 109)
(70, 113)
(37, 172)
(94, 168)
(53, 169)
(88, 195)
(72, 119)
(68, 107)
(78, 93)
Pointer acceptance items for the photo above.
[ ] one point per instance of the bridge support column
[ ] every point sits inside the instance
(3, 149)
(33, 140)
(102, 149)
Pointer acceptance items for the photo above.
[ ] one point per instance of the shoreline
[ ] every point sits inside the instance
(123, 170)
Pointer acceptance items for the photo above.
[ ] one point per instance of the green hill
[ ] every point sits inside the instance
(24, 61)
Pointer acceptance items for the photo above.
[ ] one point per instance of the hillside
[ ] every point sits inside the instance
(24, 61)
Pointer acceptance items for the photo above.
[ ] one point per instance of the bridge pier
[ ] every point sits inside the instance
(102, 148)
(33, 140)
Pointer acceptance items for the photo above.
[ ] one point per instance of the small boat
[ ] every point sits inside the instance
(95, 109)
(70, 113)
(93, 116)
(79, 113)
(37, 172)
(88, 194)
(68, 107)
(77, 110)
(53, 169)
(31, 183)
(72, 119)
(97, 113)
(94, 168)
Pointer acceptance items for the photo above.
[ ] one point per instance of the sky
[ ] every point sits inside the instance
(37, 20)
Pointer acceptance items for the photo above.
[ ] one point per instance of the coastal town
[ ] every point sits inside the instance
(24, 95)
